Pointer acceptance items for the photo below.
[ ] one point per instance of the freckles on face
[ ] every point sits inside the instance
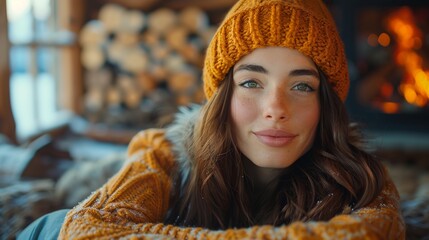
(275, 106)
(243, 109)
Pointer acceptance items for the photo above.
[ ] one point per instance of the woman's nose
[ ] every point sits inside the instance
(275, 107)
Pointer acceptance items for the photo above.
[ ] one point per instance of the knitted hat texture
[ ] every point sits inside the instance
(304, 25)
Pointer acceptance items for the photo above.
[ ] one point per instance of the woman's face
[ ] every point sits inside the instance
(275, 106)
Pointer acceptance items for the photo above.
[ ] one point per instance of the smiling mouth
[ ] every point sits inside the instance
(274, 138)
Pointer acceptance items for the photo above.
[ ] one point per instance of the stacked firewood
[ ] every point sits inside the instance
(139, 66)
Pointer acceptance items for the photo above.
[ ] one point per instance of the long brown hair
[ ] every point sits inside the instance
(335, 176)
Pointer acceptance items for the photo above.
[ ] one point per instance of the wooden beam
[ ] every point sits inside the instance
(7, 123)
(72, 18)
(204, 5)
(142, 5)
(147, 5)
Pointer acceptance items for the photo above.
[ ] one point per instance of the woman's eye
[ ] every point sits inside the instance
(303, 87)
(250, 84)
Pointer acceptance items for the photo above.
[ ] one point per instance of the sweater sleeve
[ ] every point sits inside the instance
(138, 193)
(133, 203)
(379, 220)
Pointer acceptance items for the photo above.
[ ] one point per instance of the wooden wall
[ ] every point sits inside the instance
(7, 124)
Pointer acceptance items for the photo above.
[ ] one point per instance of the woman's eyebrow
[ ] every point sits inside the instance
(304, 72)
(261, 69)
(251, 67)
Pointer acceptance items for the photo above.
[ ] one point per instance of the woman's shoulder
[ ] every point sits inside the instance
(172, 142)
(388, 196)
(153, 138)
(178, 134)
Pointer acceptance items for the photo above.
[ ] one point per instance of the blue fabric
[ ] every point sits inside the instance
(46, 227)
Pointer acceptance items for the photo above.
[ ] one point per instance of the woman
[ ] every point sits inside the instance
(270, 155)
(257, 159)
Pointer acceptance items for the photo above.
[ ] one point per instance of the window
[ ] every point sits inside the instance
(42, 49)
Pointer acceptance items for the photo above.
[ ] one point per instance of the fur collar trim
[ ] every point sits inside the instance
(180, 134)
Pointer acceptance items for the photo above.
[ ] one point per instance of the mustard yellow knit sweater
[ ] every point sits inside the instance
(133, 203)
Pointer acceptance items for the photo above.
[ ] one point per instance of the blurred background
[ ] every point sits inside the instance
(79, 78)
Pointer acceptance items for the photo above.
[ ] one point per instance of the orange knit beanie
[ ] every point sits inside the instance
(304, 25)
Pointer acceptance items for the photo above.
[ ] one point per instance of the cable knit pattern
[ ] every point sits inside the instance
(133, 203)
(304, 25)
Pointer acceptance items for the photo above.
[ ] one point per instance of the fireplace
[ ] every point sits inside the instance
(387, 44)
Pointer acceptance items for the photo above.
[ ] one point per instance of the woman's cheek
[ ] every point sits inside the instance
(243, 108)
(308, 116)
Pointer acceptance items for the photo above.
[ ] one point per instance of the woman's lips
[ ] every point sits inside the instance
(274, 137)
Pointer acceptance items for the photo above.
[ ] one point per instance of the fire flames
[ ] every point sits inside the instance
(415, 84)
